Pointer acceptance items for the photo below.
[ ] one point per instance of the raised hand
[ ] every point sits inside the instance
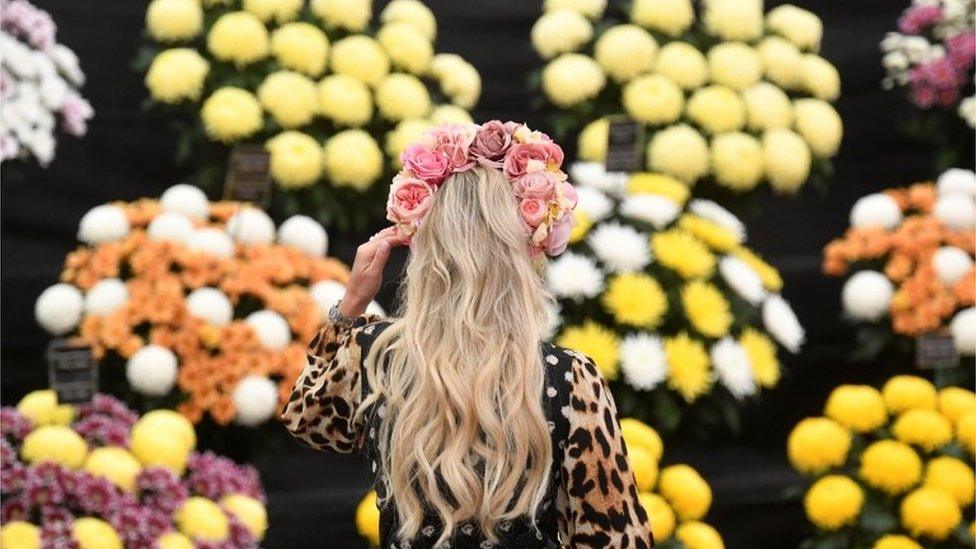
(367, 271)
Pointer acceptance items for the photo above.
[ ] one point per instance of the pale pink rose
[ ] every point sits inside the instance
(533, 211)
(408, 202)
(424, 163)
(454, 142)
(535, 185)
(492, 141)
(568, 196)
(558, 238)
(532, 157)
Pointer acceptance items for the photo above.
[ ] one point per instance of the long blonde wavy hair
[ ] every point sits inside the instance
(463, 378)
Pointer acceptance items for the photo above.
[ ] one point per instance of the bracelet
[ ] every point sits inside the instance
(339, 319)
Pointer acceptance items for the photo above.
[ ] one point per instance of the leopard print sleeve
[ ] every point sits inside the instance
(322, 406)
(599, 496)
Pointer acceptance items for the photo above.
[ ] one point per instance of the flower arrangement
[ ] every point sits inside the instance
(728, 94)
(676, 498)
(664, 296)
(889, 469)
(333, 102)
(530, 160)
(194, 305)
(39, 84)
(909, 257)
(98, 475)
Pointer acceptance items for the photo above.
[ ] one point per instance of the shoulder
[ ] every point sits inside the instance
(366, 329)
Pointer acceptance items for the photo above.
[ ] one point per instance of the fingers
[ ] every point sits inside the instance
(382, 253)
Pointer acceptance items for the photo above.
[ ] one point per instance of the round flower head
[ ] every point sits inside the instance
(530, 160)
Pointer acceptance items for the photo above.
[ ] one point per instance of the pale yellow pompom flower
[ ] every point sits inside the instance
(459, 79)
(450, 114)
(281, 11)
(301, 47)
(592, 9)
(406, 133)
(820, 125)
(353, 159)
(819, 77)
(230, 114)
(571, 79)
(177, 74)
(625, 51)
(737, 161)
(412, 12)
(238, 37)
(592, 143)
(249, 511)
(290, 97)
(653, 99)
(296, 159)
(682, 63)
(734, 19)
(174, 20)
(787, 159)
(797, 25)
(401, 96)
(352, 15)
(781, 62)
(734, 64)
(93, 533)
(406, 46)
(174, 540)
(560, 31)
(345, 100)
(201, 518)
(18, 534)
(767, 107)
(54, 444)
(116, 464)
(717, 109)
(361, 57)
(679, 151)
(672, 17)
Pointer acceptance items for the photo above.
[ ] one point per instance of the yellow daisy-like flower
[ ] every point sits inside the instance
(955, 402)
(698, 535)
(787, 159)
(683, 63)
(174, 20)
(672, 17)
(819, 77)
(833, 501)
(737, 160)
(238, 37)
(301, 47)
(953, 476)
(230, 114)
(177, 74)
(781, 62)
(93, 533)
(769, 275)
(799, 26)
(249, 511)
(927, 429)
(653, 99)
(560, 31)
(412, 12)
(450, 114)
(637, 433)
(368, 519)
(41, 407)
(571, 79)
(734, 19)
(163, 438)
(18, 534)
(290, 97)
(818, 444)
(345, 100)
(281, 11)
(767, 107)
(361, 57)
(400, 96)
(890, 466)
(735, 65)
(686, 491)
(659, 514)
(625, 51)
(860, 408)
(663, 185)
(296, 159)
(688, 367)
(682, 252)
(116, 464)
(201, 518)
(174, 540)
(54, 444)
(352, 159)
(352, 15)
(716, 236)
(717, 109)
(679, 151)
(930, 512)
(407, 47)
(635, 299)
(893, 541)
(403, 135)
(582, 227)
(762, 357)
(592, 143)
(820, 126)
(706, 308)
(966, 431)
(903, 393)
(596, 342)
(644, 467)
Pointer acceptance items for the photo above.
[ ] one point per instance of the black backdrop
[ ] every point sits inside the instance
(128, 154)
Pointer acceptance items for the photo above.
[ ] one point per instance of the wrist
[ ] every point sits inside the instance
(351, 306)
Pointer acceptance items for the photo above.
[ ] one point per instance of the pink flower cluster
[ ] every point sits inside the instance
(918, 18)
(530, 160)
(940, 81)
(22, 19)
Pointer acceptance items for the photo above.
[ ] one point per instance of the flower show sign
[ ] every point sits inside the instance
(625, 145)
(71, 371)
(936, 350)
(249, 175)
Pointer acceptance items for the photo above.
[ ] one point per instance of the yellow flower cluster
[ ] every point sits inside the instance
(596, 342)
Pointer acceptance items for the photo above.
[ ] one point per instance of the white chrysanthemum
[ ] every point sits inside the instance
(656, 210)
(152, 370)
(251, 226)
(782, 324)
(951, 264)
(106, 297)
(956, 180)
(256, 399)
(58, 308)
(733, 368)
(593, 174)
(304, 233)
(210, 305)
(712, 211)
(103, 223)
(867, 295)
(374, 308)
(187, 200)
(620, 248)
(643, 361)
(212, 241)
(574, 276)
(956, 210)
(554, 319)
(594, 203)
(325, 294)
(271, 328)
(875, 209)
(963, 327)
(742, 278)
(171, 227)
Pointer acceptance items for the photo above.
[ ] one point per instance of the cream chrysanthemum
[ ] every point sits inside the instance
(352, 158)
(571, 79)
(560, 31)
(459, 79)
(352, 15)
(593, 140)
(717, 109)
(671, 17)
(737, 161)
(177, 74)
(820, 126)
(406, 46)
(734, 64)
(819, 77)
(734, 19)
(296, 159)
(230, 114)
(361, 57)
(174, 20)
(592, 9)
(301, 47)
(767, 107)
(238, 37)
(653, 99)
(799, 26)
(682, 63)
(781, 61)
(290, 98)
(679, 151)
(400, 96)
(281, 11)
(414, 13)
(345, 100)
(450, 114)
(787, 159)
(625, 51)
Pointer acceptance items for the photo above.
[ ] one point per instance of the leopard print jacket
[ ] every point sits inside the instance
(595, 500)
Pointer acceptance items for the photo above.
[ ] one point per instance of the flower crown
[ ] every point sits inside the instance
(529, 159)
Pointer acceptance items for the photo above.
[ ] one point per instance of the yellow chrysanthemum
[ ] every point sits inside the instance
(762, 357)
(230, 114)
(345, 100)
(637, 433)
(663, 185)
(820, 126)
(787, 159)
(890, 466)
(352, 158)
(683, 63)
(18, 534)
(734, 19)
(462, 84)
(406, 46)
(716, 236)
(281, 11)
(249, 511)
(771, 279)
(893, 541)
(590, 8)
(717, 109)
(833, 501)
(41, 407)
(781, 62)
(174, 20)
(54, 444)
(686, 491)
(238, 37)
(174, 540)
(406, 133)
(904, 392)
(296, 159)
(635, 299)
(818, 444)
(201, 518)
(706, 308)
(400, 96)
(955, 402)
(735, 65)
(177, 74)
(688, 367)
(767, 107)
(368, 519)
(681, 252)
(953, 476)
(930, 512)
(450, 114)
(571, 79)
(653, 99)
(290, 97)
(592, 143)
(116, 464)
(625, 51)
(352, 15)
(799, 26)
(582, 227)
(93, 533)
(698, 535)
(672, 17)
(412, 12)
(560, 31)
(361, 57)
(163, 438)
(679, 151)
(737, 161)
(860, 408)
(596, 342)
(301, 47)
(966, 431)
(819, 77)
(927, 429)
(659, 514)
(644, 467)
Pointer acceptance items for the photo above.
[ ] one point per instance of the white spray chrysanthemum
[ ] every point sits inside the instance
(742, 278)
(876, 209)
(643, 361)
(251, 226)
(106, 297)
(152, 370)
(304, 233)
(187, 200)
(957, 180)
(271, 328)
(171, 227)
(574, 276)
(212, 241)
(867, 295)
(210, 305)
(656, 210)
(781, 322)
(957, 210)
(58, 309)
(619, 247)
(951, 264)
(712, 211)
(105, 223)
(325, 294)
(594, 203)
(733, 368)
(256, 399)
(963, 328)
(593, 174)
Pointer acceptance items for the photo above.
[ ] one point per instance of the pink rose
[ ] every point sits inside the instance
(535, 185)
(558, 238)
(492, 141)
(409, 201)
(425, 164)
(525, 158)
(454, 142)
(568, 198)
(533, 211)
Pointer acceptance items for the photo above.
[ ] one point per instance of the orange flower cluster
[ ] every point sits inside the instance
(159, 275)
(922, 303)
